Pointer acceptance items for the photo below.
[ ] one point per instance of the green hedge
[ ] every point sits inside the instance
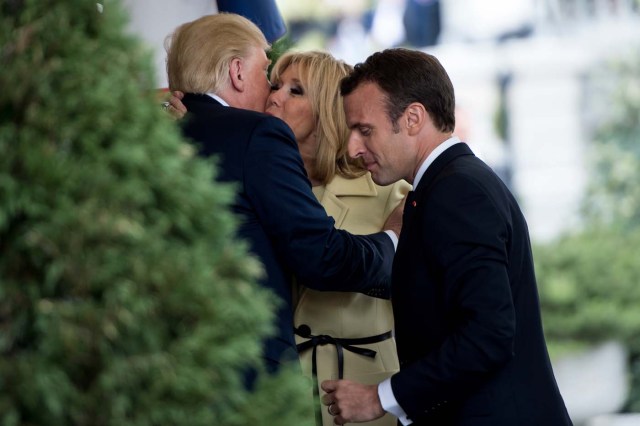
(590, 287)
(590, 280)
(590, 293)
(124, 299)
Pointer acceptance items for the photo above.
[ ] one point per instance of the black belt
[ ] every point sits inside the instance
(304, 331)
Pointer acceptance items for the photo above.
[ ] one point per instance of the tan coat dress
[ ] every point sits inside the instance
(360, 207)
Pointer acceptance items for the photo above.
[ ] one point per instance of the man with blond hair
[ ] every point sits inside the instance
(219, 62)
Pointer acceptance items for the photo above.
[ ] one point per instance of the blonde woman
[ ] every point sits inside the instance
(339, 334)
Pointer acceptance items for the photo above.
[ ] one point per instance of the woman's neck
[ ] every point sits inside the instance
(310, 167)
(308, 150)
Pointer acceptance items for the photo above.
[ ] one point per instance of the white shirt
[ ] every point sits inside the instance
(217, 98)
(385, 393)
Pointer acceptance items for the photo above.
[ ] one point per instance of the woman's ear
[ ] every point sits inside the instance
(235, 74)
(415, 116)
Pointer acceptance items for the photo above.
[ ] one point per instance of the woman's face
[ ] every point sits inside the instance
(289, 101)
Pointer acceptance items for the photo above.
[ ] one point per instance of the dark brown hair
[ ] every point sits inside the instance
(407, 76)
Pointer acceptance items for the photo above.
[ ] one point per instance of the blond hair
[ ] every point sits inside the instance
(199, 52)
(321, 74)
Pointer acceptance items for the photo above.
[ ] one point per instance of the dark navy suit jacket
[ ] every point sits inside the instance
(466, 309)
(284, 224)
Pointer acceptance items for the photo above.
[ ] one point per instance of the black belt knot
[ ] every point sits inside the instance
(314, 341)
(322, 340)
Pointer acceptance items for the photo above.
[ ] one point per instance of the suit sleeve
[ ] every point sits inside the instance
(322, 257)
(467, 234)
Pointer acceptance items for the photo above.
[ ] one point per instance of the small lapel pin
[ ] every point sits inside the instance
(413, 203)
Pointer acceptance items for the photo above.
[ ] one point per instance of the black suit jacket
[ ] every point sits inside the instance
(467, 317)
(282, 221)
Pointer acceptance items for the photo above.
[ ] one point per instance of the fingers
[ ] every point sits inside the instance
(329, 385)
(177, 105)
(338, 420)
(328, 399)
(351, 402)
(334, 411)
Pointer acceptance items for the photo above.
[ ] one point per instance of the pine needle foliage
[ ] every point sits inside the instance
(124, 297)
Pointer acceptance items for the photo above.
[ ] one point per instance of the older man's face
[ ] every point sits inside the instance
(257, 84)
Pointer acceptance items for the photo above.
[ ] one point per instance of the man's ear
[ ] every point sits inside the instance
(236, 74)
(415, 117)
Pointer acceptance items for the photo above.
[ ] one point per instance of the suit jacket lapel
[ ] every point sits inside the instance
(428, 179)
(335, 208)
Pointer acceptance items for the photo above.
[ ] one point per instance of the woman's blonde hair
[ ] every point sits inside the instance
(199, 52)
(321, 73)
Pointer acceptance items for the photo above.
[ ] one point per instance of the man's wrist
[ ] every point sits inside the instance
(389, 402)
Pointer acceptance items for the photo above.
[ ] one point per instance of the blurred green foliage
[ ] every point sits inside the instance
(278, 48)
(590, 279)
(614, 193)
(590, 288)
(124, 297)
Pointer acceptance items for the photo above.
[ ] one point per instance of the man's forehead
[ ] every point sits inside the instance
(365, 97)
(369, 90)
(258, 53)
(358, 115)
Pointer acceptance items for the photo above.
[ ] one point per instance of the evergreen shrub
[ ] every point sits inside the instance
(124, 297)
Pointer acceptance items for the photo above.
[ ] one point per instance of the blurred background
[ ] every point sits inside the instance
(548, 94)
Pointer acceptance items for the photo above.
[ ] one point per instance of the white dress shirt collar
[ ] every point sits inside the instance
(217, 98)
(431, 157)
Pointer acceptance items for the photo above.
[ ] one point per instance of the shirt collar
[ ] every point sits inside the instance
(431, 157)
(217, 98)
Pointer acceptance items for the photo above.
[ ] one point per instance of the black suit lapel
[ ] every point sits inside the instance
(409, 207)
(435, 171)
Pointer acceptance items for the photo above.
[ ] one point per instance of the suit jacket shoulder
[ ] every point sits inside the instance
(259, 154)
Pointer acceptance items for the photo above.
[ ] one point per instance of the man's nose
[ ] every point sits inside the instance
(355, 147)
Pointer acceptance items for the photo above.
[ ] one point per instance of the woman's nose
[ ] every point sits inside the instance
(274, 98)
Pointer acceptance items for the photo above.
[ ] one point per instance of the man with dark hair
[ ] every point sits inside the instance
(465, 301)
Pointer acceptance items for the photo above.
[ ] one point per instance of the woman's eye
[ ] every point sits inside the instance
(297, 90)
(274, 87)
